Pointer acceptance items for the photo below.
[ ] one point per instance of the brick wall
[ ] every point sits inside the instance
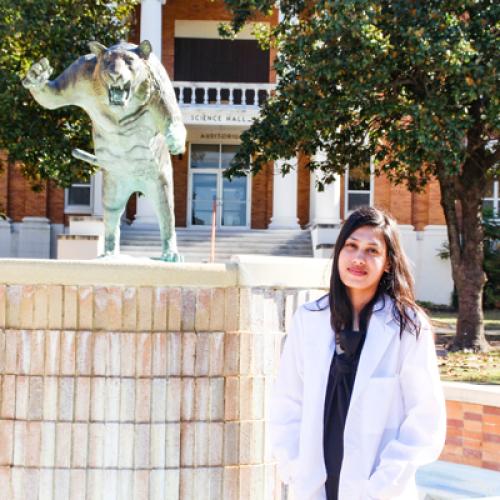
(4, 185)
(262, 198)
(129, 391)
(180, 167)
(419, 209)
(22, 200)
(397, 200)
(55, 204)
(303, 190)
(473, 436)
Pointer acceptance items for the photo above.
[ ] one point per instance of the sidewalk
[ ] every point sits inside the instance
(448, 481)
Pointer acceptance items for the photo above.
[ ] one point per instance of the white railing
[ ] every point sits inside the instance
(220, 94)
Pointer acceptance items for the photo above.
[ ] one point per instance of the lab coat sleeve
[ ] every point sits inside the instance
(285, 412)
(423, 430)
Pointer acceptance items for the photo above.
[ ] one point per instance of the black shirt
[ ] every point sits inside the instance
(338, 396)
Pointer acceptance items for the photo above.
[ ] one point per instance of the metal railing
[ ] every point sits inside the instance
(220, 94)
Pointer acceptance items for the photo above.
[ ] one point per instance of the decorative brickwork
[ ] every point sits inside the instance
(473, 436)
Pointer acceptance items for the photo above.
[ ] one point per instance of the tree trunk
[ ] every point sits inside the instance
(465, 236)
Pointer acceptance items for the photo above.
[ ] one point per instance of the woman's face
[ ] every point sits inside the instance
(363, 260)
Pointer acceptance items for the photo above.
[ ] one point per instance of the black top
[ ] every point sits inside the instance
(338, 396)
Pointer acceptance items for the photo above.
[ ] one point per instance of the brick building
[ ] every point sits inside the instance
(220, 85)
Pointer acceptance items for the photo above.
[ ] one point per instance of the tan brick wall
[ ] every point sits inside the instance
(473, 435)
(161, 387)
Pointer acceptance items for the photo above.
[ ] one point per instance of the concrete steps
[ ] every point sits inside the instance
(194, 245)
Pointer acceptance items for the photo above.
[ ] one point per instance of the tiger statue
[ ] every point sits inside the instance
(136, 125)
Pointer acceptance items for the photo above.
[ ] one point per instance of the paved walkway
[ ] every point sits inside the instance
(448, 481)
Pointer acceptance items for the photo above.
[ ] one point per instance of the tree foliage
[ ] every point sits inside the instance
(403, 81)
(59, 30)
(413, 84)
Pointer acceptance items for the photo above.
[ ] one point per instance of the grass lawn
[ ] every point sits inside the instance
(449, 320)
(471, 367)
(477, 368)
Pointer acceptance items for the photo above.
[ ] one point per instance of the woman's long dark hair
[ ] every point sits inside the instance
(397, 283)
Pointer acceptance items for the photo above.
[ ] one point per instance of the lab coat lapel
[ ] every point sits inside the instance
(378, 337)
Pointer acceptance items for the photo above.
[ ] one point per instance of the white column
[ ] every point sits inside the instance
(285, 197)
(151, 23)
(325, 205)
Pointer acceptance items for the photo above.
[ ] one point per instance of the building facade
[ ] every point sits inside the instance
(220, 85)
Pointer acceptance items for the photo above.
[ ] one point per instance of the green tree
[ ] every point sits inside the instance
(411, 83)
(59, 30)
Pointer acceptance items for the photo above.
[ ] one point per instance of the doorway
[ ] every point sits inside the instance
(207, 185)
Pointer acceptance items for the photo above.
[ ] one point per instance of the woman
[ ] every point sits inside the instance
(357, 406)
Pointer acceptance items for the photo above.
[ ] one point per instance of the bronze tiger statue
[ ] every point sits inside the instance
(136, 125)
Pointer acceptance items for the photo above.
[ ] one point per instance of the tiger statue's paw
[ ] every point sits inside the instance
(38, 75)
(170, 257)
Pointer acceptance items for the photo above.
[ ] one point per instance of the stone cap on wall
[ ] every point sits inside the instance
(241, 271)
(487, 395)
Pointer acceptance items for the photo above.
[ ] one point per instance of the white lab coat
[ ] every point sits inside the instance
(396, 420)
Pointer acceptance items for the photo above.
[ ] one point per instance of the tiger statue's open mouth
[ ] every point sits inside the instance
(119, 95)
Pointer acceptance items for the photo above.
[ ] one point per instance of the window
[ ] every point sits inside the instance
(205, 60)
(358, 187)
(491, 202)
(78, 198)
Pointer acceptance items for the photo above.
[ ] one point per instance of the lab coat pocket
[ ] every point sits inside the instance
(379, 405)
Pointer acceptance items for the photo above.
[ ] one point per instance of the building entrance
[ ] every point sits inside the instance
(207, 185)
